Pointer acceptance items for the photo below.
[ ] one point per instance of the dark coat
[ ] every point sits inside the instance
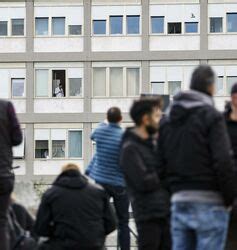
(74, 213)
(138, 160)
(194, 148)
(10, 135)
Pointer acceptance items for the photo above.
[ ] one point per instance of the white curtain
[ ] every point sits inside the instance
(42, 82)
(116, 81)
(133, 82)
(99, 81)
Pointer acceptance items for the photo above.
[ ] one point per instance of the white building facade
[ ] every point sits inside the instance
(64, 63)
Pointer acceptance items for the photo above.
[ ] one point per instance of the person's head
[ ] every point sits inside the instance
(69, 167)
(234, 96)
(114, 115)
(203, 80)
(146, 112)
(60, 85)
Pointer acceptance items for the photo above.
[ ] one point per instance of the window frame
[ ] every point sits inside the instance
(48, 34)
(107, 82)
(191, 33)
(155, 33)
(5, 21)
(50, 145)
(18, 97)
(74, 35)
(222, 23)
(122, 26)
(24, 28)
(92, 28)
(176, 34)
(139, 25)
(65, 26)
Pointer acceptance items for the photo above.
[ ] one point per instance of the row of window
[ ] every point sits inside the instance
(216, 23)
(58, 143)
(15, 27)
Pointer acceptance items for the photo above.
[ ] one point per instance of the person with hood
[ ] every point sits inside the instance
(195, 154)
(230, 115)
(74, 214)
(10, 135)
(147, 192)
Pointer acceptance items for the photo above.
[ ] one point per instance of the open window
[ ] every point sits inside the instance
(174, 28)
(58, 83)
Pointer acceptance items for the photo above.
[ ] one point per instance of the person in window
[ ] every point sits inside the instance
(74, 214)
(10, 135)
(147, 191)
(106, 171)
(230, 115)
(195, 154)
(59, 92)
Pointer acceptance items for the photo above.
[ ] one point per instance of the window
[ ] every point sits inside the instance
(133, 24)
(157, 88)
(216, 24)
(75, 144)
(18, 87)
(75, 29)
(174, 87)
(220, 86)
(58, 83)
(41, 149)
(157, 24)
(3, 28)
(116, 81)
(231, 80)
(58, 25)
(116, 25)
(19, 151)
(174, 28)
(232, 22)
(99, 81)
(18, 27)
(133, 81)
(42, 80)
(41, 26)
(51, 143)
(99, 27)
(191, 27)
(75, 86)
(58, 148)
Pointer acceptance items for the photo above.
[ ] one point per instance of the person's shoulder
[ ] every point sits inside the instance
(96, 188)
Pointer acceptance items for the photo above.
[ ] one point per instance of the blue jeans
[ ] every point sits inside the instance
(199, 226)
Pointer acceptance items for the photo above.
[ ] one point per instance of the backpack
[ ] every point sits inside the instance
(19, 240)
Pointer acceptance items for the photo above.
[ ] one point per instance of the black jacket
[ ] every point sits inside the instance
(232, 131)
(74, 213)
(10, 135)
(194, 148)
(139, 163)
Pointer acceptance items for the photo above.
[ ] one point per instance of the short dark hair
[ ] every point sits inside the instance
(144, 106)
(234, 89)
(202, 77)
(114, 115)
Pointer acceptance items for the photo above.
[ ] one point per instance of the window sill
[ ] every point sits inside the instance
(58, 98)
(66, 36)
(57, 159)
(185, 34)
(115, 97)
(122, 36)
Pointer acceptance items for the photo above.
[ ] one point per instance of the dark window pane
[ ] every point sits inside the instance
(216, 24)
(58, 25)
(116, 24)
(174, 28)
(232, 22)
(18, 27)
(41, 149)
(74, 29)
(41, 26)
(157, 24)
(3, 28)
(191, 27)
(99, 27)
(133, 24)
